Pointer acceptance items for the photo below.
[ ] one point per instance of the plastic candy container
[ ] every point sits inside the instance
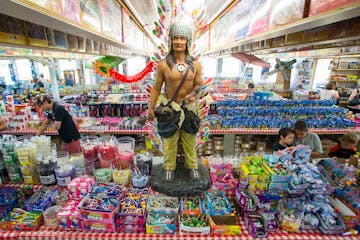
(64, 174)
(140, 176)
(26, 153)
(107, 151)
(50, 216)
(103, 174)
(121, 176)
(11, 162)
(126, 152)
(46, 171)
(290, 213)
(90, 149)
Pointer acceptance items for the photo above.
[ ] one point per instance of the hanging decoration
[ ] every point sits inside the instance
(134, 78)
(104, 66)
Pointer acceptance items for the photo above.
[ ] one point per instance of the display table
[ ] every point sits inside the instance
(275, 131)
(48, 233)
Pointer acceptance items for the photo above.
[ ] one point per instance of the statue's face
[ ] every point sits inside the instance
(179, 43)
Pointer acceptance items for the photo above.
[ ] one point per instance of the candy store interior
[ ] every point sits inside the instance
(179, 119)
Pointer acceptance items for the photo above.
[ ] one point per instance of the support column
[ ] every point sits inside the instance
(53, 82)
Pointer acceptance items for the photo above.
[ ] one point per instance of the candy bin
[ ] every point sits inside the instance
(224, 225)
(163, 204)
(50, 216)
(107, 151)
(132, 213)
(157, 223)
(194, 224)
(192, 206)
(108, 190)
(144, 158)
(218, 203)
(46, 171)
(122, 176)
(126, 152)
(90, 150)
(11, 162)
(103, 174)
(98, 212)
(27, 157)
(64, 174)
(140, 176)
(77, 161)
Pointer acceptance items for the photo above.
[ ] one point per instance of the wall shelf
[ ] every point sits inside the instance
(337, 15)
(28, 11)
(339, 69)
(274, 131)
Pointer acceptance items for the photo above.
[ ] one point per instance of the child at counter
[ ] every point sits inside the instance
(286, 139)
(346, 148)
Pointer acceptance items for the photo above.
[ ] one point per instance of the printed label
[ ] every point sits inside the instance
(95, 216)
(98, 227)
(50, 179)
(14, 177)
(63, 181)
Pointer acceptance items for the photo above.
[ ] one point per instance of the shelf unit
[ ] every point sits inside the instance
(28, 11)
(243, 131)
(340, 76)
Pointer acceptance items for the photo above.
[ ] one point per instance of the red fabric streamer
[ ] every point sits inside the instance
(134, 78)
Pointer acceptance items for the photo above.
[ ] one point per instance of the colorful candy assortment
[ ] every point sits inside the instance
(277, 114)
